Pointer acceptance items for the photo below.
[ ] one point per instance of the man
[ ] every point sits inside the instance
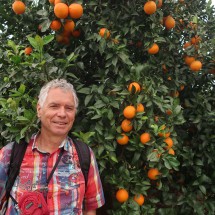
(66, 192)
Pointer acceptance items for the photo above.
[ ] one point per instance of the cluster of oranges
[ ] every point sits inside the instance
(194, 64)
(122, 196)
(64, 22)
(150, 8)
(129, 113)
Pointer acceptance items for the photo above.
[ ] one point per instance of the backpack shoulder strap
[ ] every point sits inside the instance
(84, 157)
(17, 154)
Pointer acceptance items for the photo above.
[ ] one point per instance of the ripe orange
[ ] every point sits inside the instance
(195, 40)
(104, 32)
(171, 151)
(196, 65)
(153, 174)
(140, 108)
(126, 125)
(122, 195)
(160, 2)
(150, 7)
(57, 1)
(169, 142)
(129, 112)
(134, 85)
(164, 68)
(169, 112)
(175, 94)
(169, 23)
(18, 7)
(69, 26)
(139, 199)
(123, 140)
(181, 87)
(189, 59)
(187, 44)
(28, 50)
(55, 25)
(164, 133)
(145, 137)
(154, 49)
(51, 1)
(76, 33)
(75, 10)
(61, 10)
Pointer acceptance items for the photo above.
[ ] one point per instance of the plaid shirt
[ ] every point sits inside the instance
(66, 189)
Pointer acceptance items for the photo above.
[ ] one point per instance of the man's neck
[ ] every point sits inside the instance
(49, 143)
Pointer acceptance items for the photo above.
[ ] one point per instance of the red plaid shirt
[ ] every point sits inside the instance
(66, 189)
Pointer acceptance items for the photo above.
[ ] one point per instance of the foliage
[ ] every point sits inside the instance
(101, 70)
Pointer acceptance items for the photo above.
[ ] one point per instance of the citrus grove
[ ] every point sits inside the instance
(144, 74)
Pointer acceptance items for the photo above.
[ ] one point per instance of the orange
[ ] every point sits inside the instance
(189, 59)
(164, 68)
(55, 25)
(140, 108)
(169, 112)
(104, 32)
(129, 112)
(181, 87)
(187, 44)
(175, 94)
(122, 195)
(154, 49)
(134, 85)
(145, 137)
(28, 50)
(57, 1)
(76, 33)
(195, 40)
(153, 174)
(160, 2)
(171, 151)
(18, 7)
(196, 65)
(51, 1)
(61, 10)
(123, 140)
(75, 10)
(139, 199)
(169, 23)
(169, 142)
(150, 7)
(164, 133)
(69, 26)
(126, 125)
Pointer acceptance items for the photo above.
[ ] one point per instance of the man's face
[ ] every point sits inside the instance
(58, 113)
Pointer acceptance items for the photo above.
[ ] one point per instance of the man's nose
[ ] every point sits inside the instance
(61, 111)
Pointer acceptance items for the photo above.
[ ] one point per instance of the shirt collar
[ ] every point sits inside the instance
(64, 143)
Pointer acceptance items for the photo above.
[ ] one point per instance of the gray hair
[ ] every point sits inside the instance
(56, 83)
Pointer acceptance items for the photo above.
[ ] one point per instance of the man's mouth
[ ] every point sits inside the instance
(60, 123)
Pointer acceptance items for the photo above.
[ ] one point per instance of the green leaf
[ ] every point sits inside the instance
(203, 189)
(48, 39)
(22, 89)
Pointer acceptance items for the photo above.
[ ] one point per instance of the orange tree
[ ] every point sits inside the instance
(166, 49)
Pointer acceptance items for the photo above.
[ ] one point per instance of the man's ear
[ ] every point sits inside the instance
(38, 110)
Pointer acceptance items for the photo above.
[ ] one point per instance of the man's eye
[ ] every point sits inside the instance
(53, 106)
(70, 108)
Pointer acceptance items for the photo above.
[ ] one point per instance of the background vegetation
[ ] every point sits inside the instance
(177, 100)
